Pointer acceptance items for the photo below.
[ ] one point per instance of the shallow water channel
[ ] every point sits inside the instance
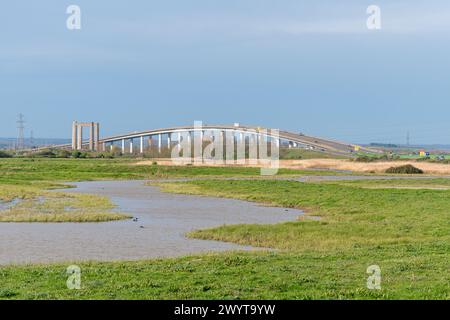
(163, 219)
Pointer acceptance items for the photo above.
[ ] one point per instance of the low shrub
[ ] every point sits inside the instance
(44, 154)
(76, 154)
(406, 169)
(63, 154)
(4, 154)
(384, 157)
(365, 159)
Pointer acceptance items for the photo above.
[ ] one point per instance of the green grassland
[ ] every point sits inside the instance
(404, 231)
(426, 183)
(47, 172)
(334, 274)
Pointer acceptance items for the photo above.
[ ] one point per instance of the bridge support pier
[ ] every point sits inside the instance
(159, 142)
(189, 137)
(74, 135)
(79, 138)
(97, 137)
(91, 136)
(253, 151)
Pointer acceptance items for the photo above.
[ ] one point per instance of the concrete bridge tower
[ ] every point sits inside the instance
(94, 135)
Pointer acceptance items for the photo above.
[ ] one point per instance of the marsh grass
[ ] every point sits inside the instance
(424, 183)
(51, 172)
(35, 205)
(405, 232)
(349, 215)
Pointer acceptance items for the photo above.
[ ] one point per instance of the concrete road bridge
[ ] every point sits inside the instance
(138, 142)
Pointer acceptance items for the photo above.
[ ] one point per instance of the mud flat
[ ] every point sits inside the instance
(158, 230)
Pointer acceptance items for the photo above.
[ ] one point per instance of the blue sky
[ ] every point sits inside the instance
(309, 66)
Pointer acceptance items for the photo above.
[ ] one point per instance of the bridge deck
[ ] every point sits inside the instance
(318, 144)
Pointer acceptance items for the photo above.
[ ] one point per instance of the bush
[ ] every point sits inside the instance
(101, 155)
(116, 151)
(406, 169)
(76, 154)
(373, 158)
(44, 154)
(365, 159)
(63, 154)
(4, 154)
